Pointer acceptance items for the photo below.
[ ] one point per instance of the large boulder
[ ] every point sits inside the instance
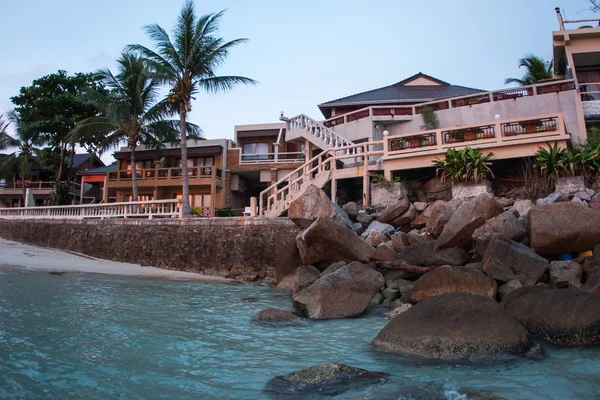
(508, 287)
(453, 256)
(563, 228)
(351, 209)
(415, 254)
(563, 317)
(565, 274)
(375, 233)
(438, 218)
(435, 189)
(454, 326)
(506, 225)
(287, 283)
(468, 217)
(343, 293)
(384, 252)
(276, 316)
(522, 207)
(328, 241)
(323, 379)
(400, 240)
(506, 260)
(452, 280)
(312, 204)
(305, 276)
(395, 210)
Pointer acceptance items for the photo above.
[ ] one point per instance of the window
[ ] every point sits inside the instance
(198, 162)
(255, 151)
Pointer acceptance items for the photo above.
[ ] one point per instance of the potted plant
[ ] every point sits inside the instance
(467, 169)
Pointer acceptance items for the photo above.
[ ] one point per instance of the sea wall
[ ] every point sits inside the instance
(242, 248)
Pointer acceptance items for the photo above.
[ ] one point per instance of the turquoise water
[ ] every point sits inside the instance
(99, 337)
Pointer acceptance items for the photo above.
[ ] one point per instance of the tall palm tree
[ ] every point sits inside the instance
(19, 162)
(3, 132)
(189, 64)
(131, 111)
(537, 69)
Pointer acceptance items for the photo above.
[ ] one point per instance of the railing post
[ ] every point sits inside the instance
(253, 206)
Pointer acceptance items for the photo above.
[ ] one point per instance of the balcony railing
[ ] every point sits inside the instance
(161, 174)
(413, 142)
(41, 185)
(589, 91)
(469, 134)
(530, 127)
(269, 158)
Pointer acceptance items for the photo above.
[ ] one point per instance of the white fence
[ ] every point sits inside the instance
(133, 209)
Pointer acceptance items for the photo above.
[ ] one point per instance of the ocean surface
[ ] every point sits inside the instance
(85, 336)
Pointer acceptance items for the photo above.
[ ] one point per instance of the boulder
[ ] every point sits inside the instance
(379, 227)
(400, 240)
(404, 218)
(563, 317)
(522, 207)
(305, 276)
(393, 274)
(505, 202)
(578, 201)
(420, 220)
(551, 198)
(506, 260)
(468, 217)
(584, 196)
(592, 285)
(435, 189)
(415, 254)
(595, 198)
(384, 252)
(273, 315)
(343, 293)
(333, 267)
(398, 283)
(565, 274)
(453, 256)
(358, 228)
(394, 211)
(363, 218)
(391, 294)
(438, 218)
(287, 283)
(385, 194)
(398, 310)
(328, 241)
(351, 209)
(321, 379)
(452, 280)
(312, 204)
(506, 225)
(375, 238)
(563, 228)
(508, 287)
(596, 254)
(415, 237)
(454, 326)
(475, 265)
(420, 206)
(287, 259)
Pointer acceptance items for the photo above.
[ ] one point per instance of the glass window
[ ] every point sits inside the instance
(255, 151)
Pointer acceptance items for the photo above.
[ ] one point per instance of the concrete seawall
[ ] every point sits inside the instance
(240, 248)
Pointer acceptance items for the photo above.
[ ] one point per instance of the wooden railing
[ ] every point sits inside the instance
(364, 153)
(270, 158)
(153, 174)
(134, 209)
(456, 102)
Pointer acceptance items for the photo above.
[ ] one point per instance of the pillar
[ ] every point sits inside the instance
(213, 198)
(105, 189)
(334, 190)
(253, 206)
(81, 189)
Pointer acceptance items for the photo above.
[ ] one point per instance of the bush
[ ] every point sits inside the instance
(556, 162)
(225, 212)
(462, 166)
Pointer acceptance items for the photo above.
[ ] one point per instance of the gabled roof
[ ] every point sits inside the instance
(418, 88)
(100, 170)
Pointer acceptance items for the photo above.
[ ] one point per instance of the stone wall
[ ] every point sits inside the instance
(242, 248)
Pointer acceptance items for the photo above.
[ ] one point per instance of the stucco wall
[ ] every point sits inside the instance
(242, 248)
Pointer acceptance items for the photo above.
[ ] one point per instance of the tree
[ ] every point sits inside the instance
(189, 64)
(131, 112)
(595, 5)
(537, 69)
(20, 161)
(52, 105)
(4, 142)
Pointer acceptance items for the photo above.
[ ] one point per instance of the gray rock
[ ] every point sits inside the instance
(508, 287)
(377, 227)
(435, 189)
(394, 211)
(505, 225)
(596, 198)
(384, 252)
(584, 196)
(419, 206)
(391, 294)
(415, 237)
(351, 209)
(565, 274)
(398, 309)
(438, 218)
(305, 275)
(454, 256)
(504, 202)
(522, 206)
(364, 218)
(589, 191)
(358, 228)
(275, 316)
(333, 267)
(398, 283)
(447, 279)
(416, 253)
(592, 285)
(474, 265)
(376, 238)
(312, 204)
(577, 200)
(506, 260)
(551, 198)
(323, 379)
(400, 240)
(287, 283)
(377, 299)
(454, 326)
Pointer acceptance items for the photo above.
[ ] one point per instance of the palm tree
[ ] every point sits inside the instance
(20, 161)
(537, 70)
(131, 111)
(189, 64)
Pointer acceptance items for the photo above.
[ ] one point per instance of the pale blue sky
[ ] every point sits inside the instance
(303, 53)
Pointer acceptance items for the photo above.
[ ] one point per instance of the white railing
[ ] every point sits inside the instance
(133, 209)
(589, 91)
(318, 130)
(269, 158)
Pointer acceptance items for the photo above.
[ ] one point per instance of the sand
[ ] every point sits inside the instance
(18, 255)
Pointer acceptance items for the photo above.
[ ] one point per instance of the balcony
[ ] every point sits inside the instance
(271, 158)
(152, 177)
(37, 188)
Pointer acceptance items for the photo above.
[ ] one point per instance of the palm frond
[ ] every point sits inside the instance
(217, 84)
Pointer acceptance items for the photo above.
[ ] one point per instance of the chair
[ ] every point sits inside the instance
(247, 211)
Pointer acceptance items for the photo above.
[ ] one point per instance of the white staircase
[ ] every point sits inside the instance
(315, 132)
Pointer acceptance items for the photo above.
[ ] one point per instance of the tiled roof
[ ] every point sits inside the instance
(100, 170)
(79, 159)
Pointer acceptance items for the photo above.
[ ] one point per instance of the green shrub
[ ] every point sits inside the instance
(556, 162)
(225, 212)
(466, 165)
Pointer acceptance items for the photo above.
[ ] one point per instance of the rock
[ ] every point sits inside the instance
(415, 237)
(379, 227)
(287, 283)
(358, 228)
(312, 204)
(405, 218)
(273, 315)
(415, 254)
(596, 254)
(343, 293)
(584, 196)
(508, 287)
(551, 198)
(592, 285)
(398, 310)
(506, 260)
(563, 228)
(578, 201)
(377, 299)
(475, 265)
(384, 252)
(452, 280)
(595, 198)
(468, 217)
(590, 267)
(375, 238)
(391, 294)
(394, 211)
(400, 240)
(454, 256)
(438, 218)
(305, 276)
(393, 274)
(522, 206)
(287, 259)
(364, 218)
(565, 274)
(398, 283)
(420, 206)
(385, 194)
(454, 326)
(563, 317)
(333, 267)
(323, 379)
(420, 220)
(504, 202)
(435, 189)
(351, 209)
(328, 241)
(506, 225)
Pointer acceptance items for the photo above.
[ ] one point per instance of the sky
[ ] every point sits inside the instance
(302, 53)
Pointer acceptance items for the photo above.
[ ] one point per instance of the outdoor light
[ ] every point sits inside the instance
(385, 133)
(281, 113)
(497, 117)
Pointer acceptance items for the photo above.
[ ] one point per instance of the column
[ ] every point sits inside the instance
(81, 189)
